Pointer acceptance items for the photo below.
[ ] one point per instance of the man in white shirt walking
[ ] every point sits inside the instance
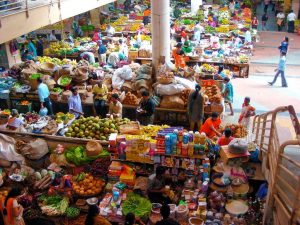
(280, 20)
(291, 17)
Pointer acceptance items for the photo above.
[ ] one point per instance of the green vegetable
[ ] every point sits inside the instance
(63, 205)
(64, 81)
(57, 90)
(138, 205)
(77, 155)
(35, 76)
(72, 212)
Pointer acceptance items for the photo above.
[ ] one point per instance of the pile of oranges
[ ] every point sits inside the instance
(88, 186)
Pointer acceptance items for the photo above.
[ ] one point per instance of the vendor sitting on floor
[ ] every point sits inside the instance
(14, 122)
(226, 138)
(115, 106)
(156, 186)
(74, 103)
(211, 126)
(165, 213)
(88, 56)
(114, 58)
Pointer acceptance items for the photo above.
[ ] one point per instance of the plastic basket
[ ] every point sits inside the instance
(24, 108)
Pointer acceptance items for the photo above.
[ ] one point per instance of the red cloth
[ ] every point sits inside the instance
(206, 127)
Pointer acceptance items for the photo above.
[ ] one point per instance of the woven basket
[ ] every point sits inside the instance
(130, 128)
(59, 81)
(165, 80)
(3, 119)
(48, 67)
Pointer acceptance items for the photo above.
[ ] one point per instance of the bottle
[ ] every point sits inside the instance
(190, 149)
(191, 136)
(185, 138)
(197, 138)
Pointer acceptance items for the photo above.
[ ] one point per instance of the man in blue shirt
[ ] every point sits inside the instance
(31, 48)
(44, 94)
(102, 52)
(280, 70)
(74, 103)
(227, 93)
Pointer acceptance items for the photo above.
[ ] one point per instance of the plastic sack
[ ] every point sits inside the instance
(125, 72)
(185, 82)
(238, 146)
(170, 66)
(117, 81)
(7, 149)
(169, 89)
(35, 149)
(43, 111)
(197, 69)
(172, 102)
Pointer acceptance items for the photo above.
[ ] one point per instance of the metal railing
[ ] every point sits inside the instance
(8, 7)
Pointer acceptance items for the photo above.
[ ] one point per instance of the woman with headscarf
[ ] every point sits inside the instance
(196, 108)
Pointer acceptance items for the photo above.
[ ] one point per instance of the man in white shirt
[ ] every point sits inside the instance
(52, 36)
(74, 103)
(280, 18)
(291, 17)
(110, 31)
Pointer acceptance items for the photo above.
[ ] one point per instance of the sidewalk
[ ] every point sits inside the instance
(271, 23)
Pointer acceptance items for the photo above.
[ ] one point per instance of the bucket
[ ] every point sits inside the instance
(172, 210)
(182, 212)
(155, 214)
(195, 221)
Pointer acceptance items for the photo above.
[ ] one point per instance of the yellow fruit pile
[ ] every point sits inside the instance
(64, 118)
(56, 61)
(151, 130)
(88, 186)
(56, 47)
(222, 29)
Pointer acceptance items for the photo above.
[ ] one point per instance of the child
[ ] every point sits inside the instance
(226, 138)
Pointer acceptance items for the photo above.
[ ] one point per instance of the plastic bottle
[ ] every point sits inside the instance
(185, 138)
(197, 138)
(191, 136)
(190, 149)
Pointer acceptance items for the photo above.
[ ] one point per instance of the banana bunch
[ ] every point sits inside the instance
(152, 130)
(222, 29)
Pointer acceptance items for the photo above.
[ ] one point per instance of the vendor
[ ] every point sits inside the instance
(40, 47)
(183, 34)
(215, 41)
(115, 106)
(31, 48)
(110, 30)
(68, 37)
(123, 48)
(14, 122)
(248, 38)
(211, 126)
(131, 219)
(102, 52)
(165, 213)
(226, 138)
(187, 46)
(74, 103)
(44, 96)
(25, 56)
(147, 14)
(178, 55)
(88, 56)
(198, 30)
(177, 12)
(145, 111)
(196, 108)
(52, 36)
(93, 217)
(236, 40)
(100, 92)
(227, 93)
(96, 36)
(156, 186)
(115, 57)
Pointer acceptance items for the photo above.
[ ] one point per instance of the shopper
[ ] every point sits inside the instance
(11, 210)
(227, 93)
(115, 106)
(40, 47)
(68, 37)
(266, 2)
(280, 20)
(179, 57)
(280, 70)
(88, 56)
(114, 58)
(226, 138)
(147, 14)
(110, 30)
(102, 52)
(146, 109)
(165, 213)
(247, 112)
(187, 46)
(25, 56)
(74, 103)
(264, 21)
(100, 92)
(196, 108)
(284, 45)
(156, 186)
(52, 36)
(291, 17)
(96, 36)
(15, 122)
(44, 94)
(31, 48)
(255, 22)
(177, 12)
(211, 126)
(93, 217)
(248, 37)
(131, 219)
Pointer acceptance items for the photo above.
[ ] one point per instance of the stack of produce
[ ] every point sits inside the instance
(64, 117)
(87, 185)
(95, 128)
(56, 61)
(53, 205)
(207, 68)
(131, 99)
(213, 94)
(238, 130)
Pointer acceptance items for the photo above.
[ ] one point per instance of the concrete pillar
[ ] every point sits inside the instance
(296, 7)
(160, 21)
(195, 6)
(7, 59)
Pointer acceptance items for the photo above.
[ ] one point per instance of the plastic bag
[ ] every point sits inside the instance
(43, 111)
(238, 146)
(7, 149)
(125, 72)
(35, 149)
(169, 89)
(185, 82)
